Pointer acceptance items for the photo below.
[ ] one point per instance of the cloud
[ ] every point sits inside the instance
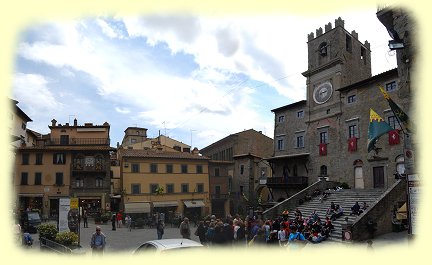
(227, 42)
(33, 91)
(122, 110)
(181, 71)
(178, 31)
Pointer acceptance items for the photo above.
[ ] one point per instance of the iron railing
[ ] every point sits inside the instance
(289, 181)
(78, 141)
(97, 167)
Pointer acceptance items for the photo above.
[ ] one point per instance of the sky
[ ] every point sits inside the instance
(195, 78)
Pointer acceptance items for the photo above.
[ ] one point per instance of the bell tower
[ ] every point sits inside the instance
(336, 58)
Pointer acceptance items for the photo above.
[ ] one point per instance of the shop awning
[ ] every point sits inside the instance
(137, 207)
(194, 204)
(165, 204)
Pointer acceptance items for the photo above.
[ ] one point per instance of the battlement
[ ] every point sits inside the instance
(339, 22)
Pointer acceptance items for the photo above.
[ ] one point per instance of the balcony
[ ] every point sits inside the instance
(97, 167)
(78, 141)
(290, 182)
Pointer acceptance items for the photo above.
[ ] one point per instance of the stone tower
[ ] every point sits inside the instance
(336, 58)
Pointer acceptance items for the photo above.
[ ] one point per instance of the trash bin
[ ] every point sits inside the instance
(371, 227)
(347, 232)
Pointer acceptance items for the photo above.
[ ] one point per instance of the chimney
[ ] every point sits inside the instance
(75, 122)
(53, 122)
(195, 151)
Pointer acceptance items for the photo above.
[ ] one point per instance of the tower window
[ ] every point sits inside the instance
(391, 86)
(363, 54)
(323, 49)
(348, 43)
(351, 99)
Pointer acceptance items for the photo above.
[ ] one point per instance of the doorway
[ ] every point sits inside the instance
(378, 177)
(358, 177)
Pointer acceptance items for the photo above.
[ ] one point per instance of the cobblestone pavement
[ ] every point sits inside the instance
(124, 241)
(121, 240)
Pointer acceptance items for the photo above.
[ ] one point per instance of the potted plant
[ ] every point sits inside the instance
(47, 231)
(105, 217)
(69, 239)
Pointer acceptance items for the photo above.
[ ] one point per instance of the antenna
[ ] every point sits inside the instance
(164, 128)
(73, 115)
(191, 136)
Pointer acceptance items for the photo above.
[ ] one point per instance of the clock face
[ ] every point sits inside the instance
(323, 92)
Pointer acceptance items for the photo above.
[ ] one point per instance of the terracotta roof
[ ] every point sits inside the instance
(159, 154)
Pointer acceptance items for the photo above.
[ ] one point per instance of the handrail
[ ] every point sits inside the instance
(54, 246)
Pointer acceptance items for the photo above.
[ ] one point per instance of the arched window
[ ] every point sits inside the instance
(323, 49)
(323, 170)
(358, 174)
(400, 164)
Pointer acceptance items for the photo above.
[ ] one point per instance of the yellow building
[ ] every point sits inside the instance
(156, 181)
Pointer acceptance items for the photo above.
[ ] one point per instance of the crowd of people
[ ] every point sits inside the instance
(281, 231)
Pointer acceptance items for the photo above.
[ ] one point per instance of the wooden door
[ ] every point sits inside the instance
(378, 176)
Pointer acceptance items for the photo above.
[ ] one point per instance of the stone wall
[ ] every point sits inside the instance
(380, 213)
(292, 202)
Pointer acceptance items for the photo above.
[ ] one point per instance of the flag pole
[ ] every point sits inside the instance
(396, 116)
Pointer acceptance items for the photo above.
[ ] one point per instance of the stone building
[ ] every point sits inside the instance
(325, 136)
(71, 161)
(236, 168)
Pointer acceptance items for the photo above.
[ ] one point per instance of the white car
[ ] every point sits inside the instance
(164, 245)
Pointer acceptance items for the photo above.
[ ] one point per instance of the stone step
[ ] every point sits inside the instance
(346, 199)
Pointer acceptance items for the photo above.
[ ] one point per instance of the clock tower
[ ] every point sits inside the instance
(336, 58)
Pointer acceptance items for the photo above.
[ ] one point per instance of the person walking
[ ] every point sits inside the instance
(128, 221)
(85, 219)
(185, 228)
(119, 218)
(113, 221)
(160, 226)
(97, 242)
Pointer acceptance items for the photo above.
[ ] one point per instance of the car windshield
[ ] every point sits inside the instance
(182, 249)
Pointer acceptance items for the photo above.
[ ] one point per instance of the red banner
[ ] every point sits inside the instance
(352, 144)
(323, 149)
(394, 137)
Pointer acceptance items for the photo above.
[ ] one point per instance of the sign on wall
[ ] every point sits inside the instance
(413, 199)
(64, 207)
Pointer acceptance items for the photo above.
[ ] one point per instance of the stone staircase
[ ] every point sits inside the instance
(345, 198)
